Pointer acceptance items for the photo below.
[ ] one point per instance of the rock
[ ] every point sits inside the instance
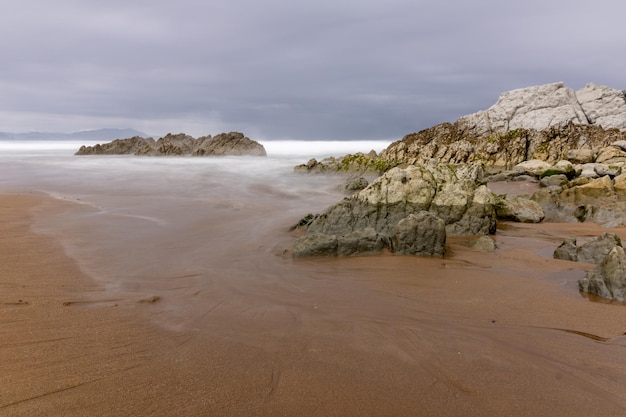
(567, 251)
(519, 209)
(603, 106)
(611, 155)
(360, 242)
(483, 243)
(233, 143)
(315, 244)
(533, 167)
(619, 186)
(356, 184)
(594, 251)
(581, 156)
(543, 122)
(449, 193)
(610, 170)
(422, 234)
(553, 181)
(608, 279)
(588, 171)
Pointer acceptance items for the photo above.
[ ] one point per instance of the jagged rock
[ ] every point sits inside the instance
(449, 193)
(567, 250)
(519, 209)
(608, 279)
(603, 106)
(422, 234)
(233, 143)
(594, 251)
(551, 105)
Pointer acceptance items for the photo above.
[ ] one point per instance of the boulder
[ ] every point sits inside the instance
(567, 250)
(422, 234)
(553, 181)
(608, 279)
(594, 251)
(450, 194)
(533, 167)
(519, 209)
(581, 156)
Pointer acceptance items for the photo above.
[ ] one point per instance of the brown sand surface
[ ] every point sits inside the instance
(473, 334)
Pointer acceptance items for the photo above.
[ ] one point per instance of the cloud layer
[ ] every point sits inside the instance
(367, 69)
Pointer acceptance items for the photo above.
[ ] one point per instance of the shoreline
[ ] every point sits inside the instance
(473, 336)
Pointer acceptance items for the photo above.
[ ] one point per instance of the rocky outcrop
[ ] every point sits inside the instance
(608, 279)
(593, 251)
(422, 234)
(551, 105)
(233, 143)
(549, 122)
(448, 193)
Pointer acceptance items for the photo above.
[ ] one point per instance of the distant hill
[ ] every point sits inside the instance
(99, 134)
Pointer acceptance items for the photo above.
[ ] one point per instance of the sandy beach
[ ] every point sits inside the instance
(477, 334)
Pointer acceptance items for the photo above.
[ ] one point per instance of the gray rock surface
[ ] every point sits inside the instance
(519, 209)
(608, 279)
(233, 143)
(567, 250)
(551, 105)
(422, 234)
(368, 220)
(594, 251)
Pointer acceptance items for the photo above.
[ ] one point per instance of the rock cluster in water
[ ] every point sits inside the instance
(233, 143)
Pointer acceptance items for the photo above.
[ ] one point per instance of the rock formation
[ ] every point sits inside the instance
(233, 143)
(549, 123)
(593, 252)
(608, 279)
(416, 202)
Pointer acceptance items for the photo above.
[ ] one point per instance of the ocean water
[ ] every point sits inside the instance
(172, 226)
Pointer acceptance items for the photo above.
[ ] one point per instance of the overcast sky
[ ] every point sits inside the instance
(286, 69)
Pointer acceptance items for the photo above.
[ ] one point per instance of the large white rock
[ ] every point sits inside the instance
(544, 106)
(603, 106)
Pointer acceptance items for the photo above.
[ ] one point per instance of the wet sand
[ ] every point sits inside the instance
(504, 334)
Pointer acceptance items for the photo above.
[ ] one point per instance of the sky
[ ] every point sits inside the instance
(285, 69)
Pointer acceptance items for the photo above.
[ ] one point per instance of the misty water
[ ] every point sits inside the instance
(175, 226)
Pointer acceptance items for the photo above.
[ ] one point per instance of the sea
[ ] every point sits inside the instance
(168, 227)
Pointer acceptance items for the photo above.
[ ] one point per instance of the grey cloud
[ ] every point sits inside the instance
(320, 70)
